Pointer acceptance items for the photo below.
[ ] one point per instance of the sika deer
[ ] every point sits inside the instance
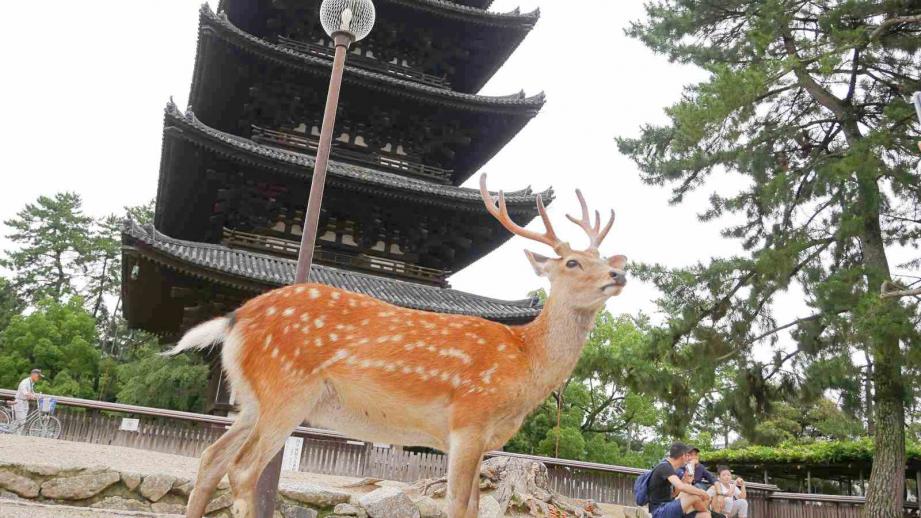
(385, 374)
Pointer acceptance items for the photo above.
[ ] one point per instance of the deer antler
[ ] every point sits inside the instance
(595, 233)
(500, 212)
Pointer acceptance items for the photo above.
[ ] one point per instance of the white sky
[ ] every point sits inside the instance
(85, 83)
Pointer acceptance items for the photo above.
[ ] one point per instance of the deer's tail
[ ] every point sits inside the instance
(204, 335)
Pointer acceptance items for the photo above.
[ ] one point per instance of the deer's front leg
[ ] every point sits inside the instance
(464, 454)
(473, 507)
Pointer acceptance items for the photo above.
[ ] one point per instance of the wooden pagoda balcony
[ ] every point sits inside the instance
(387, 161)
(366, 263)
(365, 62)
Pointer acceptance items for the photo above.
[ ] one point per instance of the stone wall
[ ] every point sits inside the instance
(126, 491)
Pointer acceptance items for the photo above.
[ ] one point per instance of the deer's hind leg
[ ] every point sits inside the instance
(216, 459)
(275, 422)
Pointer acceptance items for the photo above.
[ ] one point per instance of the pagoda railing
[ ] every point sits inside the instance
(367, 263)
(387, 161)
(399, 71)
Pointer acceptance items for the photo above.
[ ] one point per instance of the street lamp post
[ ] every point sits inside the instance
(345, 21)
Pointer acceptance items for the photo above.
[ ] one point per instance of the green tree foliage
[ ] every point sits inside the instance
(10, 303)
(53, 238)
(600, 419)
(177, 383)
(805, 111)
(59, 338)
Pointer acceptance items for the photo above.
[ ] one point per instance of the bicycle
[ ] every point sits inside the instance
(38, 422)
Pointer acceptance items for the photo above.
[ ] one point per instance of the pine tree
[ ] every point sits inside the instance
(53, 236)
(806, 104)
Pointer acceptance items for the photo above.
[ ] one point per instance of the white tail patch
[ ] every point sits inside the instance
(202, 336)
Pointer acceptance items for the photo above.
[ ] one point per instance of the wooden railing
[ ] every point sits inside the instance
(325, 451)
(368, 263)
(387, 161)
(392, 69)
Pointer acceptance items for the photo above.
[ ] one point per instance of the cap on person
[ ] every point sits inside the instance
(694, 449)
(678, 449)
(37, 371)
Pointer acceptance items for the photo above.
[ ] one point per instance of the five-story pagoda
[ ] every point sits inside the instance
(236, 166)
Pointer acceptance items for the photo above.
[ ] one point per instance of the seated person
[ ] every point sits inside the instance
(702, 478)
(691, 501)
(731, 492)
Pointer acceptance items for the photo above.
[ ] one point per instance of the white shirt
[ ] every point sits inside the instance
(25, 391)
(731, 492)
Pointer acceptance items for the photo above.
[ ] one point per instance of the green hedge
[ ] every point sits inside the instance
(821, 452)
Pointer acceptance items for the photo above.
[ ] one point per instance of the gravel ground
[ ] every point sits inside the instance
(19, 509)
(65, 454)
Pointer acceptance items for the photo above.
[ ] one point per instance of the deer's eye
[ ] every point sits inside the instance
(572, 263)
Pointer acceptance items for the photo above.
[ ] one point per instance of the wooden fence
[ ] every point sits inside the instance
(324, 451)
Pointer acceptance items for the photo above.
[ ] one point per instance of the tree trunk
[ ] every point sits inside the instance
(880, 323)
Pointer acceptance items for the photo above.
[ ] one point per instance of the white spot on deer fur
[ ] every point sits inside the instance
(390, 367)
(287, 328)
(444, 376)
(408, 347)
(305, 317)
(396, 338)
(288, 312)
(268, 340)
(271, 311)
(314, 293)
(382, 339)
(318, 342)
(335, 295)
(385, 314)
(275, 352)
(365, 364)
(456, 353)
(318, 323)
(297, 351)
(333, 337)
(456, 325)
(340, 326)
(406, 370)
(501, 347)
(433, 372)
(486, 375)
(456, 381)
(431, 348)
(299, 290)
(481, 341)
(363, 341)
(351, 360)
(352, 303)
(444, 331)
(365, 322)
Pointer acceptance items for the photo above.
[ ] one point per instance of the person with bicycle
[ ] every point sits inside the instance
(24, 394)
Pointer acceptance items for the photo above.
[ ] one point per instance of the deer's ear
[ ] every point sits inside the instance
(538, 262)
(618, 262)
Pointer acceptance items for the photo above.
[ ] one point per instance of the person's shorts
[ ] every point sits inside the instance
(672, 510)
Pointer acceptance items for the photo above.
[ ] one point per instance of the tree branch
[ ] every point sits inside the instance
(889, 22)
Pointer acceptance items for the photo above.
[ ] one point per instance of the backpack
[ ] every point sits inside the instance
(641, 486)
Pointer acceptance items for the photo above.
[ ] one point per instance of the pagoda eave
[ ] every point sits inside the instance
(461, 36)
(210, 179)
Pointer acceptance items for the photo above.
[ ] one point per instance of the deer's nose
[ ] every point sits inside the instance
(620, 278)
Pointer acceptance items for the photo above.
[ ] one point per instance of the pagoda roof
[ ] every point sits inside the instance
(222, 81)
(188, 143)
(252, 273)
(482, 40)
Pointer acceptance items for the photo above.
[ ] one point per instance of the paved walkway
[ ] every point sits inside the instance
(67, 455)
(21, 509)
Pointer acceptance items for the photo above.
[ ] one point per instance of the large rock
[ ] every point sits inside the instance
(314, 495)
(183, 487)
(79, 487)
(43, 470)
(489, 508)
(222, 501)
(118, 503)
(131, 480)
(388, 502)
(428, 508)
(289, 510)
(22, 486)
(155, 486)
